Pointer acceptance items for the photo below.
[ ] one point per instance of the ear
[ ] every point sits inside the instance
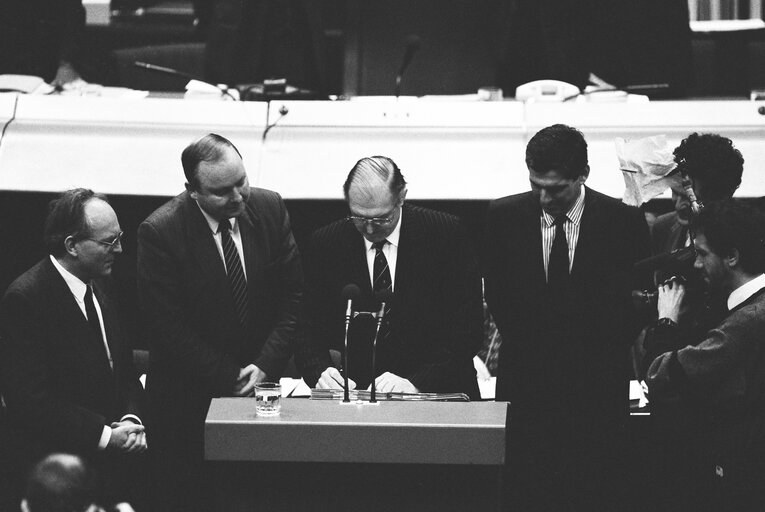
(584, 175)
(402, 196)
(190, 190)
(70, 244)
(733, 258)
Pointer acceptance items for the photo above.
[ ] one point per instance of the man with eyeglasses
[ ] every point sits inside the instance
(219, 285)
(433, 326)
(66, 367)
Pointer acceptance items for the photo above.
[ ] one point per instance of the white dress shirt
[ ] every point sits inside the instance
(571, 226)
(745, 291)
(390, 250)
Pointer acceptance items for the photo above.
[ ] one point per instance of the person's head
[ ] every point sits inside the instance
(60, 483)
(215, 176)
(730, 244)
(556, 157)
(714, 167)
(375, 191)
(83, 233)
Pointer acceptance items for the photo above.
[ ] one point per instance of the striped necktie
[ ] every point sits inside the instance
(558, 266)
(236, 279)
(381, 271)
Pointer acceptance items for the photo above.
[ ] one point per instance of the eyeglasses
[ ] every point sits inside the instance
(110, 244)
(375, 221)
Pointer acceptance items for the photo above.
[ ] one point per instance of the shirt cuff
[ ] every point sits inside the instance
(132, 417)
(105, 435)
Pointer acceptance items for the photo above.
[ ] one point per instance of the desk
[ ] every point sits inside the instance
(389, 456)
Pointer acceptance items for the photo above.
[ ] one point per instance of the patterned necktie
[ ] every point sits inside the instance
(236, 279)
(558, 266)
(95, 325)
(382, 280)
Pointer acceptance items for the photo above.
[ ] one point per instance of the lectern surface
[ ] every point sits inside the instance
(331, 431)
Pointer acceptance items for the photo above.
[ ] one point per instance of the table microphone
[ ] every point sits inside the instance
(350, 291)
(385, 297)
(411, 45)
(224, 89)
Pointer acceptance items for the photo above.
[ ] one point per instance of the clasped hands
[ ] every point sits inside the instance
(385, 383)
(127, 437)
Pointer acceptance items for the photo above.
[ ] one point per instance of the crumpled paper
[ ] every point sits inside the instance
(646, 165)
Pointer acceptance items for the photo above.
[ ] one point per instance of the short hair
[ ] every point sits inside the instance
(66, 217)
(60, 483)
(380, 167)
(207, 149)
(731, 224)
(713, 160)
(558, 147)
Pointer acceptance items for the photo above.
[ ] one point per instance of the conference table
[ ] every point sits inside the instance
(330, 455)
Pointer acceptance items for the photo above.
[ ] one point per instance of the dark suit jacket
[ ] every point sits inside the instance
(436, 318)
(570, 360)
(57, 384)
(197, 345)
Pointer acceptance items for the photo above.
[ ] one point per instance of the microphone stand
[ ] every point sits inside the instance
(348, 315)
(373, 388)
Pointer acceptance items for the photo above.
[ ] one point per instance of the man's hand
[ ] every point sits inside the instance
(332, 379)
(127, 437)
(671, 295)
(392, 382)
(248, 377)
(66, 76)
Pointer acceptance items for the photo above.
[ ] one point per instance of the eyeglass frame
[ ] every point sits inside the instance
(377, 221)
(110, 245)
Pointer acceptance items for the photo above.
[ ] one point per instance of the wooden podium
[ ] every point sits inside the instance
(327, 455)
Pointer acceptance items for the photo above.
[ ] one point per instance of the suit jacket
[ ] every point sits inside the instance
(564, 355)
(436, 320)
(56, 380)
(196, 342)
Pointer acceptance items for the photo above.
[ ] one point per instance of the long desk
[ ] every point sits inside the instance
(325, 455)
(449, 149)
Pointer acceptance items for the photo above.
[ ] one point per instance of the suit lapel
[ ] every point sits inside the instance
(201, 243)
(532, 232)
(409, 251)
(589, 231)
(252, 243)
(355, 249)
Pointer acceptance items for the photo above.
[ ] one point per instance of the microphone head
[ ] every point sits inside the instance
(412, 42)
(350, 291)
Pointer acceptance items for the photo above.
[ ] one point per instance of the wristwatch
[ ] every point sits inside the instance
(666, 322)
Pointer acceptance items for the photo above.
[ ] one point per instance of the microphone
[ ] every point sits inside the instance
(350, 292)
(696, 205)
(411, 45)
(626, 88)
(385, 297)
(224, 89)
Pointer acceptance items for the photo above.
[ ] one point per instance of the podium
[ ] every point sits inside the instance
(329, 455)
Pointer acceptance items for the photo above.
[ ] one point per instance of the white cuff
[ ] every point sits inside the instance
(133, 418)
(105, 436)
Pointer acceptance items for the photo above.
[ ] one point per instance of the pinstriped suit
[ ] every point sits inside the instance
(436, 319)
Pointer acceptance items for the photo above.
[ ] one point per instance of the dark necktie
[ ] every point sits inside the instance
(236, 279)
(381, 271)
(557, 267)
(95, 325)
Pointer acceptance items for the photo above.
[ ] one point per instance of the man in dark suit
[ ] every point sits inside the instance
(434, 325)
(219, 284)
(66, 364)
(558, 277)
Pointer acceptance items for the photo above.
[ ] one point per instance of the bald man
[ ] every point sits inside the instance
(434, 325)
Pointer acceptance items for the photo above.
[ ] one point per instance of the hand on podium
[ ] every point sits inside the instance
(331, 378)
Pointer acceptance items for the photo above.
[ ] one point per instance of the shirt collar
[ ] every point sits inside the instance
(746, 290)
(394, 237)
(75, 284)
(574, 214)
(215, 223)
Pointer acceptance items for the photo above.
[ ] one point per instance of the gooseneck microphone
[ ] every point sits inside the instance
(349, 293)
(385, 297)
(224, 89)
(411, 45)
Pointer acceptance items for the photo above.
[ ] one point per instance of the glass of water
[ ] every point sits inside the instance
(268, 398)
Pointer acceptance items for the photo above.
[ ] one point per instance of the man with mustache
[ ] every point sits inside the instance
(716, 382)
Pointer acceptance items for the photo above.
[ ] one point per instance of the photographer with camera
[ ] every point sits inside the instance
(712, 390)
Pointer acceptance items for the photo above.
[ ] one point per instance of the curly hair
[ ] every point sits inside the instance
(558, 147)
(712, 160)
